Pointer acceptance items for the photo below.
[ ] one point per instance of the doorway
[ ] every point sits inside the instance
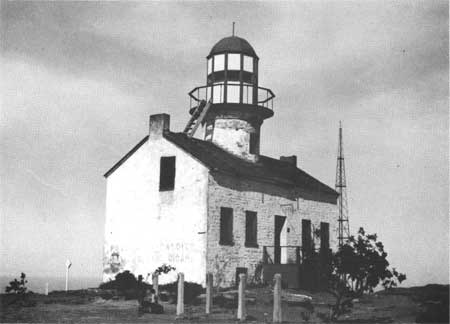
(279, 224)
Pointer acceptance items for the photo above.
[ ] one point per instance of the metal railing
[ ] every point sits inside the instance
(233, 93)
(285, 254)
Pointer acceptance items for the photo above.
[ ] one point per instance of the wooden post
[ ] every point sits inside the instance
(277, 299)
(265, 255)
(155, 277)
(242, 312)
(209, 291)
(180, 297)
(297, 255)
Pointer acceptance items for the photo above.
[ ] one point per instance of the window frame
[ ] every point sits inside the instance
(251, 230)
(219, 62)
(253, 143)
(167, 164)
(248, 59)
(230, 55)
(226, 219)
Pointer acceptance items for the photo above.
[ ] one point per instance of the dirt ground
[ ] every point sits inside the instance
(397, 306)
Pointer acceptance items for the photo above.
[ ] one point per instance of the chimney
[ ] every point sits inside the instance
(289, 159)
(159, 124)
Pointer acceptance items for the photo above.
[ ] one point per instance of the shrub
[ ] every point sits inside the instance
(191, 291)
(126, 284)
(17, 286)
(358, 267)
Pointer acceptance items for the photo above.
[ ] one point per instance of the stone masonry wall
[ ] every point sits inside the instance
(266, 200)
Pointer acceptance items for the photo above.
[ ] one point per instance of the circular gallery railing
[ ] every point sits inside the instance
(232, 93)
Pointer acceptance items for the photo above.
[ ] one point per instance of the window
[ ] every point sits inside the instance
(167, 173)
(248, 63)
(306, 238)
(234, 61)
(226, 226)
(251, 229)
(218, 93)
(209, 66)
(219, 62)
(254, 139)
(233, 92)
(324, 237)
(247, 93)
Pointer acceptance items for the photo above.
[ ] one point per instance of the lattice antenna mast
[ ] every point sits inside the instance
(341, 188)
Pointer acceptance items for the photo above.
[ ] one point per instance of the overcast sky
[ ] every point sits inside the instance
(80, 80)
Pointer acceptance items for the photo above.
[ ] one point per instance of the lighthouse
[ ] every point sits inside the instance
(238, 105)
(213, 203)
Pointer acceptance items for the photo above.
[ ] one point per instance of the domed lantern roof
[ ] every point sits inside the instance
(233, 44)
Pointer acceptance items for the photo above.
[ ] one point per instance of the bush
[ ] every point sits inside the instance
(126, 284)
(191, 291)
(17, 286)
(21, 292)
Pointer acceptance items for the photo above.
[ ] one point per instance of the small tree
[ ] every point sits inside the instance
(17, 286)
(358, 267)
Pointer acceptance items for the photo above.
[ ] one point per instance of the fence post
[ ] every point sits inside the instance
(242, 312)
(297, 254)
(277, 299)
(265, 255)
(180, 297)
(209, 297)
(155, 284)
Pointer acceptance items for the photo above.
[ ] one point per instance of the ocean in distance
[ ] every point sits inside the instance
(37, 284)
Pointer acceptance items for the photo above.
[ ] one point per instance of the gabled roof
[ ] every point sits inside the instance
(216, 159)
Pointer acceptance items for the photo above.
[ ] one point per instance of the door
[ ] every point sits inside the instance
(279, 223)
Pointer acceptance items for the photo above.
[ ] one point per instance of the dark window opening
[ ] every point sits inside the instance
(251, 227)
(167, 173)
(253, 143)
(226, 226)
(306, 238)
(324, 237)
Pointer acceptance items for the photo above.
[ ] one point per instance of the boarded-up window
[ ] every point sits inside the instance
(251, 239)
(226, 226)
(254, 139)
(306, 237)
(167, 173)
(324, 236)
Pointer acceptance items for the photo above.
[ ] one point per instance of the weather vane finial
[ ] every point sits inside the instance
(233, 28)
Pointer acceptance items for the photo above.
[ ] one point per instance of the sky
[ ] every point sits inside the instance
(80, 79)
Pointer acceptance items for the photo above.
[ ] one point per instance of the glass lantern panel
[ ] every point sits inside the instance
(233, 92)
(218, 93)
(248, 63)
(247, 97)
(209, 66)
(234, 61)
(219, 62)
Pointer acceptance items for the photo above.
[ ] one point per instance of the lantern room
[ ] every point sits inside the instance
(237, 104)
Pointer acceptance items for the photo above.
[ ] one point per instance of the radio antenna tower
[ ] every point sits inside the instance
(341, 188)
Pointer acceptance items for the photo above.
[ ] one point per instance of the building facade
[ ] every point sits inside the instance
(215, 204)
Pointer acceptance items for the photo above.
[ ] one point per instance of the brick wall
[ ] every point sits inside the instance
(267, 200)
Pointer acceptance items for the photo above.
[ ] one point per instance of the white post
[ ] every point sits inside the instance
(277, 299)
(242, 312)
(155, 285)
(46, 289)
(180, 297)
(68, 264)
(209, 288)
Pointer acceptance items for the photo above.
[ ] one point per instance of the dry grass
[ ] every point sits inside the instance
(400, 306)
